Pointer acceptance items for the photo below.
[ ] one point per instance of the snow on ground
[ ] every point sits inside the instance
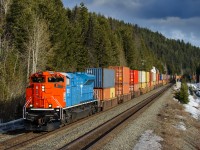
(193, 107)
(180, 126)
(149, 141)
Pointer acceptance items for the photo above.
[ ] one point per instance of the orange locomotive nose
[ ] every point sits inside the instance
(46, 90)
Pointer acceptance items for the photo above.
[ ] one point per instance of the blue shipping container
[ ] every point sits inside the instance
(161, 77)
(104, 78)
(79, 88)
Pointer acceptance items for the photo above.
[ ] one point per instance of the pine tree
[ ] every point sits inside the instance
(182, 95)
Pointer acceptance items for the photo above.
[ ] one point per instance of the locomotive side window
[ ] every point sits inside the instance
(37, 79)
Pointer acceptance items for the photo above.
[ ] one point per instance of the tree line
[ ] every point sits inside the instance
(38, 34)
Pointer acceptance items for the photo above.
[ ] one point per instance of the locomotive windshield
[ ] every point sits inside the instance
(55, 79)
(38, 79)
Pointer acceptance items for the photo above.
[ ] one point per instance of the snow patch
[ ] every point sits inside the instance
(180, 126)
(149, 141)
(193, 107)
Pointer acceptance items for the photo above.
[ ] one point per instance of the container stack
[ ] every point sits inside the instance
(164, 79)
(148, 81)
(134, 83)
(104, 86)
(122, 80)
(153, 78)
(157, 79)
(142, 82)
(168, 78)
(160, 79)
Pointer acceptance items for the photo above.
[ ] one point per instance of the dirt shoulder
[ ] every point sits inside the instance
(178, 129)
(165, 118)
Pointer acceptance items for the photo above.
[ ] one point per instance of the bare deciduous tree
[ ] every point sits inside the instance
(5, 5)
(38, 47)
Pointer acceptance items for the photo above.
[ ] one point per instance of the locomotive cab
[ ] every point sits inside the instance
(45, 99)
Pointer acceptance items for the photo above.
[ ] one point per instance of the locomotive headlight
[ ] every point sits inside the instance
(43, 88)
(50, 105)
(31, 105)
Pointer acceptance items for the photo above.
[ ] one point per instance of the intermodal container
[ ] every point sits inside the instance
(122, 74)
(104, 94)
(112, 92)
(148, 84)
(121, 89)
(153, 76)
(133, 77)
(164, 76)
(161, 77)
(142, 76)
(143, 85)
(134, 87)
(157, 76)
(147, 77)
(104, 78)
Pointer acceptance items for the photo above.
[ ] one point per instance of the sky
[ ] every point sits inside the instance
(175, 19)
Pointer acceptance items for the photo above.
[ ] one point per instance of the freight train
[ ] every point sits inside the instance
(58, 98)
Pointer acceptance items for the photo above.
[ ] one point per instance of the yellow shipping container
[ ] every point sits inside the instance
(143, 85)
(147, 76)
(112, 92)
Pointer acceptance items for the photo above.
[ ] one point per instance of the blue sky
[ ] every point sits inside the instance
(176, 19)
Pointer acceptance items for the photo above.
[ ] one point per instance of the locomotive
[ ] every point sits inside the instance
(57, 98)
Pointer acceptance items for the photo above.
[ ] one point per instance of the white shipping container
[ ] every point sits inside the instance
(142, 77)
(153, 76)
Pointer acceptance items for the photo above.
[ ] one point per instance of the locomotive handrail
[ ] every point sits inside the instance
(60, 107)
(24, 108)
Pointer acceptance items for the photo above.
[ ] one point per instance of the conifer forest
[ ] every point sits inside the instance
(40, 34)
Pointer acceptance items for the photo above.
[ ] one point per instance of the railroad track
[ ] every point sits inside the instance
(90, 138)
(20, 140)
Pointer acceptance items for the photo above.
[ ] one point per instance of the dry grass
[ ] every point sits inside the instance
(172, 114)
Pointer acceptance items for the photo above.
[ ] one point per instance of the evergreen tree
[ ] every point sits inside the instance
(182, 95)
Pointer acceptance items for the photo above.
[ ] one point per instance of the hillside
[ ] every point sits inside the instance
(41, 33)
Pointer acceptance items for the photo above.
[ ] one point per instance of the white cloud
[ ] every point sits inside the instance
(175, 28)
(177, 34)
(100, 2)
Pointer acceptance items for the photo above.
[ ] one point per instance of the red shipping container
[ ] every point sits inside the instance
(122, 74)
(133, 77)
